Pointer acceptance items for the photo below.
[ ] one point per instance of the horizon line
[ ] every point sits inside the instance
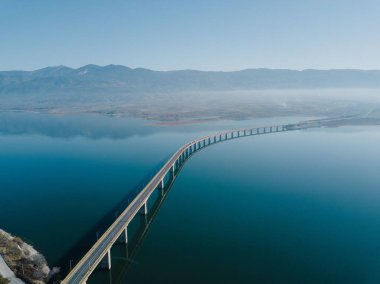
(195, 70)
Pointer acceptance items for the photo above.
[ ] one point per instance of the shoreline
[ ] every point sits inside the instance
(20, 263)
(7, 273)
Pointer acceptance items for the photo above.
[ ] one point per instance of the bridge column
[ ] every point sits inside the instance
(162, 186)
(144, 209)
(105, 263)
(124, 236)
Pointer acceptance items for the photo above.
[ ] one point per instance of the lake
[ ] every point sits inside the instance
(293, 207)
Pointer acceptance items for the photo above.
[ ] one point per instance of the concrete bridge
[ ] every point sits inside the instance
(100, 253)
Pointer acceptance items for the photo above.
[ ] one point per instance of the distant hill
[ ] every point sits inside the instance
(121, 79)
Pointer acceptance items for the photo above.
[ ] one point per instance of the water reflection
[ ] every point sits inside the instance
(95, 126)
(123, 255)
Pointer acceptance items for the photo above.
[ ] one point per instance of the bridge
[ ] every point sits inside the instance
(100, 253)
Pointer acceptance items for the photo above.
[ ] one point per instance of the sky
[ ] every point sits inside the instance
(217, 35)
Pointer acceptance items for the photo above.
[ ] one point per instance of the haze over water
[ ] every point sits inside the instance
(294, 207)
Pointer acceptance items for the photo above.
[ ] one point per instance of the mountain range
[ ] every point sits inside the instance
(122, 79)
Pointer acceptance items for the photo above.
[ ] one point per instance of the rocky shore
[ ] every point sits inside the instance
(24, 261)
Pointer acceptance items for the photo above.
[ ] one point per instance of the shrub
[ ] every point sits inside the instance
(3, 280)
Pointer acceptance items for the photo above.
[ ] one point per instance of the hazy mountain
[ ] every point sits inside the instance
(121, 79)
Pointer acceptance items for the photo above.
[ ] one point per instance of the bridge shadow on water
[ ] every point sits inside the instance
(123, 255)
(77, 251)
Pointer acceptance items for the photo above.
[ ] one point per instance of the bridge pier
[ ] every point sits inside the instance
(144, 209)
(105, 263)
(123, 237)
(162, 186)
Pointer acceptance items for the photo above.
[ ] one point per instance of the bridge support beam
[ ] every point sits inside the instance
(162, 184)
(144, 209)
(123, 237)
(161, 187)
(105, 263)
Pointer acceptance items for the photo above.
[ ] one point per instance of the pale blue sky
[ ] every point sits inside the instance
(190, 34)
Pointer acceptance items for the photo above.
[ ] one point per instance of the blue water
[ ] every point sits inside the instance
(294, 207)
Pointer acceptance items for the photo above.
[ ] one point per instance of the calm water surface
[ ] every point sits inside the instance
(295, 207)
